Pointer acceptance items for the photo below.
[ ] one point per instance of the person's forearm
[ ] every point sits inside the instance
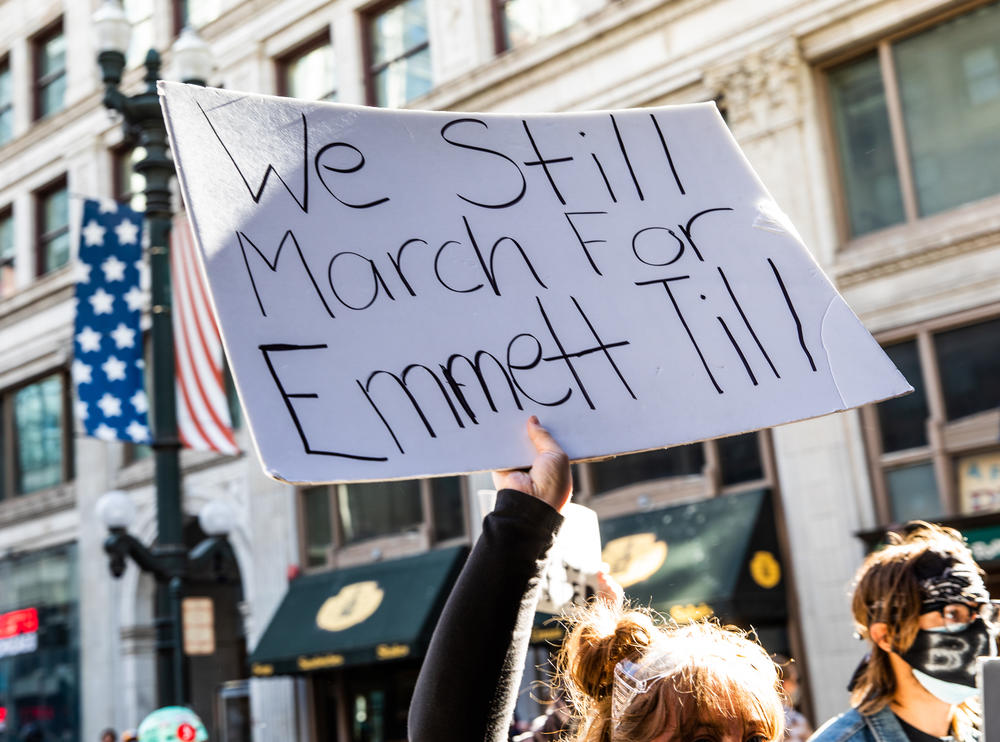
(469, 680)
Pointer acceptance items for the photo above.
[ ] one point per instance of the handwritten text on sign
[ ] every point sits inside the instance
(399, 290)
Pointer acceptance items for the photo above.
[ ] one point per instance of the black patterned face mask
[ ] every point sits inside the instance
(945, 662)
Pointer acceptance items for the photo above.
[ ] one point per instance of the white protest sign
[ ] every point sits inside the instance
(399, 290)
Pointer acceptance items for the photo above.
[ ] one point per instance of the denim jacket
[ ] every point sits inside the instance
(853, 726)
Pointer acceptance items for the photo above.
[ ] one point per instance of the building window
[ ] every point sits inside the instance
(732, 464)
(399, 54)
(50, 71)
(309, 72)
(6, 102)
(342, 515)
(934, 453)
(195, 13)
(129, 186)
(917, 122)
(7, 252)
(52, 227)
(35, 436)
(520, 22)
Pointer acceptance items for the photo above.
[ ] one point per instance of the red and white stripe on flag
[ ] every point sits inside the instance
(203, 421)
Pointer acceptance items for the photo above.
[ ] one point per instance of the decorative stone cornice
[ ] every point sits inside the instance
(762, 91)
(900, 264)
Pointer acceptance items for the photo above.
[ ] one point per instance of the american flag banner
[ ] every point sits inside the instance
(108, 364)
(202, 409)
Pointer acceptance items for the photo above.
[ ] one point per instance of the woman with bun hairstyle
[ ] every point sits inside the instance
(628, 678)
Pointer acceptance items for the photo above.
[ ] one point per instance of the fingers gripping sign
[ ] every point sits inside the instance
(549, 477)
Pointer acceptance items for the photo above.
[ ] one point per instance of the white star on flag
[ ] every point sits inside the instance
(83, 272)
(140, 402)
(123, 335)
(110, 405)
(127, 231)
(89, 340)
(108, 206)
(105, 433)
(137, 431)
(102, 302)
(81, 372)
(114, 269)
(114, 369)
(134, 299)
(93, 234)
(82, 413)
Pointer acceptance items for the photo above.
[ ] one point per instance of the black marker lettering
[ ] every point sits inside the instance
(739, 350)
(524, 184)
(536, 359)
(674, 259)
(440, 278)
(628, 162)
(687, 229)
(583, 242)
(287, 398)
(273, 266)
(665, 282)
(795, 315)
(490, 271)
(545, 163)
(476, 367)
(302, 203)
(666, 151)
(747, 323)
(404, 386)
(378, 283)
(397, 262)
(345, 171)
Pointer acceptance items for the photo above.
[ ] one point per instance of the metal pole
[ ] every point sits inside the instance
(157, 169)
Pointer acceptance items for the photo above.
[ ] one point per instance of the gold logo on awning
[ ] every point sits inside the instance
(321, 662)
(262, 670)
(682, 613)
(765, 569)
(634, 558)
(352, 605)
(391, 651)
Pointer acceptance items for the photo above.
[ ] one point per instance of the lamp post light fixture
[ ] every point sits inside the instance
(143, 123)
(116, 511)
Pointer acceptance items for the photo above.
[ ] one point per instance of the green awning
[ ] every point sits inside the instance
(359, 615)
(717, 556)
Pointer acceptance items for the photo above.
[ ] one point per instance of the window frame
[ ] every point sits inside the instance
(401, 543)
(286, 59)
(9, 469)
(882, 46)
(7, 212)
(946, 440)
(43, 238)
(368, 17)
(7, 108)
(39, 81)
(665, 491)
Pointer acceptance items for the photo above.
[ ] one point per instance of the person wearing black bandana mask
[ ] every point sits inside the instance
(921, 604)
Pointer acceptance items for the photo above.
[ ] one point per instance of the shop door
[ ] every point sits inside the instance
(378, 700)
(232, 712)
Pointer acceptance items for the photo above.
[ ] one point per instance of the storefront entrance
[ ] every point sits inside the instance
(373, 702)
(39, 646)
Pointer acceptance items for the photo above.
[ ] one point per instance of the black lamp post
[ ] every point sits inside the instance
(167, 559)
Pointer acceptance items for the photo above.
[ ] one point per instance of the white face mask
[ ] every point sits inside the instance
(951, 693)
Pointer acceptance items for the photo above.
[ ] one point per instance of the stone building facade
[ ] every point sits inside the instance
(872, 122)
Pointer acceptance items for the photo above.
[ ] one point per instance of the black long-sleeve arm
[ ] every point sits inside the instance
(469, 680)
